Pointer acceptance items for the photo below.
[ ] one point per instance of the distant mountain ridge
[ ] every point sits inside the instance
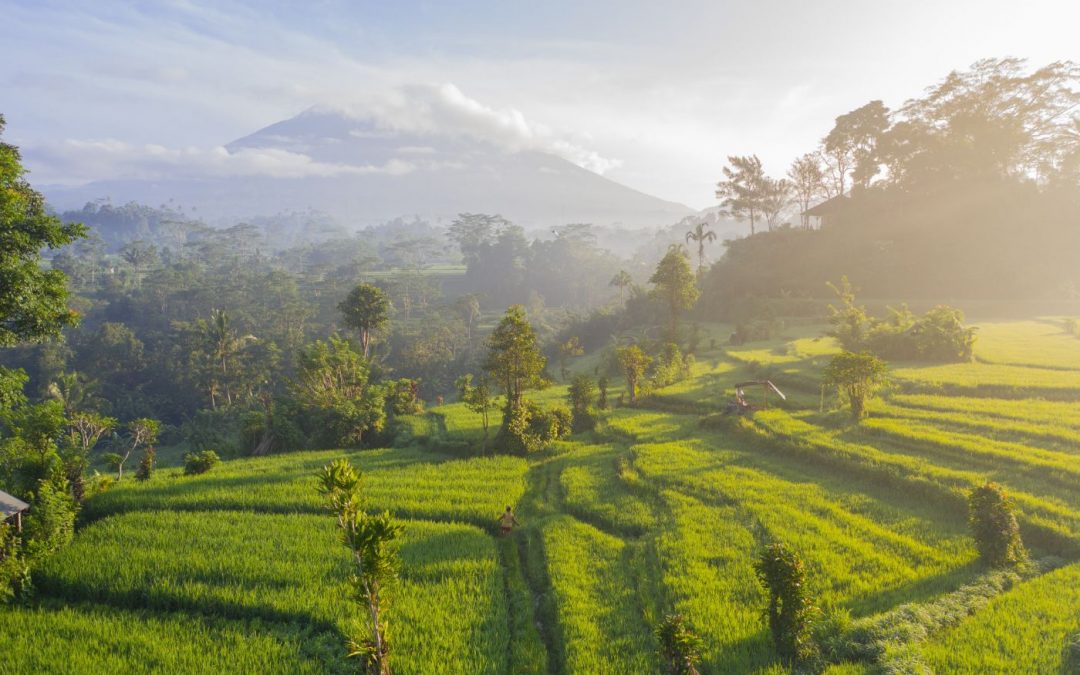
(362, 175)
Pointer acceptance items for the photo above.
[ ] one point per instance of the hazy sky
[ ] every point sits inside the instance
(654, 94)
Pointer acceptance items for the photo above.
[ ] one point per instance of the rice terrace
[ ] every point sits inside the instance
(562, 338)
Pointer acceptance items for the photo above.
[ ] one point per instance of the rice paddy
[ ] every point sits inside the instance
(655, 512)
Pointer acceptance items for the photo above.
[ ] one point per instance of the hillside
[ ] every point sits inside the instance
(361, 174)
(662, 509)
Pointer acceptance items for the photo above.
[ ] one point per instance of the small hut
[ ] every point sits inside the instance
(741, 406)
(11, 509)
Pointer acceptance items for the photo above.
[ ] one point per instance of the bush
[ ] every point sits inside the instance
(403, 397)
(992, 516)
(790, 609)
(680, 647)
(529, 428)
(582, 396)
(200, 462)
(855, 377)
(670, 366)
(146, 464)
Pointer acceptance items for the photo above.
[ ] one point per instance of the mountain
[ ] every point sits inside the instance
(361, 174)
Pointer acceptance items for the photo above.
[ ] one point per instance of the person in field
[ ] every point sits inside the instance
(507, 521)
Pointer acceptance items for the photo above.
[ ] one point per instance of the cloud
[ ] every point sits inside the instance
(76, 161)
(444, 110)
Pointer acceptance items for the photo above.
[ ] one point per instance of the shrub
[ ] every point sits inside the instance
(671, 366)
(790, 609)
(680, 648)
(200, 462)
(403, 397)
(855, 376)
(13, 571)
(582, 397)
(992, 516)
(50, 523)
(530, 428)
(146, 464)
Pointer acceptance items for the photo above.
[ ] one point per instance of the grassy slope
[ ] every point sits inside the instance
(651, 514)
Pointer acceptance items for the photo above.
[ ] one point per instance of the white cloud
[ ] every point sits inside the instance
(444, 110)
(76, 161)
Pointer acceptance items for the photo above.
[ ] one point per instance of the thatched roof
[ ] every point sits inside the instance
(9, 505)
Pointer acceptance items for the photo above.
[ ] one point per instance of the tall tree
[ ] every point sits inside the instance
(674, 284)
(514, 358)
(775, 198)
(851, 147)
(633, 362)
(701, 235)
(622, 281)
(366, 310)
(741, 190)
(33, 301)
(807, 180)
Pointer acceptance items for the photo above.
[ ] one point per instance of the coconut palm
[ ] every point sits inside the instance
(702, 235)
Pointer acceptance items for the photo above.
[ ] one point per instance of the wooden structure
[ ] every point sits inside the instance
(741, 406)
(826, 210)
(11, 509)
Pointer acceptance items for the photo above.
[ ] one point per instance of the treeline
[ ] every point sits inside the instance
(971, 191)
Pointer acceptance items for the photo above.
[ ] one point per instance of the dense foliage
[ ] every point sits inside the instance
(992, 515)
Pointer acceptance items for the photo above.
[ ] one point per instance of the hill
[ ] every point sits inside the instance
(362, 174)
(660, 510)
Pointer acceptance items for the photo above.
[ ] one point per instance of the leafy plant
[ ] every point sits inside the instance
(200, 462)
(855, 376)
(680, 646)
(370, 538)
(782, 572)
(992, 516)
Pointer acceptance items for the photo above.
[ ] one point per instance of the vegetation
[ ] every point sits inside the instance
(790, 608)
(855, 376)
(993, 524)
(200, 462)
(369, 538)
(649, 535)
(680, 648)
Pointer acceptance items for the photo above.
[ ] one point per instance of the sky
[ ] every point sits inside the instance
(653, 95)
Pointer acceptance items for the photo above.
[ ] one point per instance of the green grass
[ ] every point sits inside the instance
(79, 638)
(653, 512)
(1025, 629)
(599, 623)
(1012, 343)
(291, 569)
(472, 490)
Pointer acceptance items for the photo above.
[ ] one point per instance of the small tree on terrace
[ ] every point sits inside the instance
(478, 398)
(633, 362)
(582, 397)
(781, 571)
(514, 359)
(675, 286)
(370, 539)
(992, 516)
(84, 430)
(366, 310)
(855, 376)
(141, 433)
(680, 647)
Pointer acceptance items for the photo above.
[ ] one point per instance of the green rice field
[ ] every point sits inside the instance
(663, 508)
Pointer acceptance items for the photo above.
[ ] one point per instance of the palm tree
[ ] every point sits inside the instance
(622, 281)
(701, 234)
